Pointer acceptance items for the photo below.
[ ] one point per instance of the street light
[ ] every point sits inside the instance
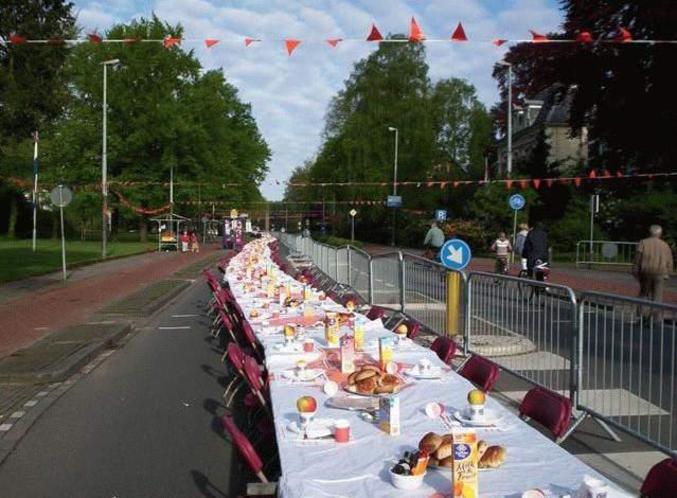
(104, 158)
(503, 63)
(397, 135)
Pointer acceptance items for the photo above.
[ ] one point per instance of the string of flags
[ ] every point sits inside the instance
(416, 35)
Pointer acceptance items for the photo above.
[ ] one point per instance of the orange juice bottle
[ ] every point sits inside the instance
(465, 471)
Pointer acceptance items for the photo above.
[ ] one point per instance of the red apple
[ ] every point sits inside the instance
(306, 404)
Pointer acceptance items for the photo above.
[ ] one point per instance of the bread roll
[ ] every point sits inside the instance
(366, 386)
(481, 448)
(364, 375)
(370, 367)
(493, 457)
(384, 389)
(444, 451)
(430, 442)
(389, 379)
(433, 461)
(447, 462)
(448, 438)
(351, 378)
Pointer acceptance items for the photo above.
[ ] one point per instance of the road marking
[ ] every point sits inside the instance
(18, 414)
(106, 322)
(42, 393)
(41, 328)
(31, 403)
(181, 327)
(185, 316)
(5, 427)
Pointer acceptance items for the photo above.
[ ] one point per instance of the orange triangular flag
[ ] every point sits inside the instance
(334, 41)
(429, 184)
(607, 174)
(375, 34)
(577, 181)
(537, 182)
(584, 37)
(415, 32)
(524, 184)
(443, 185)
(623, 35)
(592, 174)
(548, 182)
(456, 184)
(291, 44)
(129, 40)
(508, 184)
(537, 37)
(94, 38)
(248, 41)
(210, 42)
(170, 41)
(498, 42)
(459, 34)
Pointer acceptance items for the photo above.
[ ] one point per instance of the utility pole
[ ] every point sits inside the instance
(104, 159)
(36, 167)
(397, 135)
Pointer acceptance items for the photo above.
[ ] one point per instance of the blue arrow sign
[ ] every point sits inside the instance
(455, 254)
(517, 202)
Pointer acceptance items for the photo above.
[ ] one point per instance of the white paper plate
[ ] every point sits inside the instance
(490, 418)
(307, 375)
(432, 373)
(319, 427)
(294, 348)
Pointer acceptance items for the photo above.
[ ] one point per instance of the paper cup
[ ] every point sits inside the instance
(330, 388)
(433, 409)
(342, 430)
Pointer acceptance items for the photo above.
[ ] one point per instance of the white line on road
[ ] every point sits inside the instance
(181, 327)
(185, 316)
(31, 403)
(107, 322)
(18, 414)
(41, 328)
(5, 427)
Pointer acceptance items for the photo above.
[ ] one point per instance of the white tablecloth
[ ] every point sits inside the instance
(360, 468)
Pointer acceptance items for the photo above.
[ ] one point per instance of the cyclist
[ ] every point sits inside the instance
(520, 238)
(433, 242)
(536, 251)
(502, 248)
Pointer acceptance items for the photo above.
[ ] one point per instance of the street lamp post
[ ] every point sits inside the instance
(397, 135)
(509, 65)
(104, 158)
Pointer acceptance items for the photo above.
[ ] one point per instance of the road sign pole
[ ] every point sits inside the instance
(453, 302)
(352, 229)
(63, 235)
(514, 235)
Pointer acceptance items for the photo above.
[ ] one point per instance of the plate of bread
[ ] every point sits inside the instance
(370, 380)
(439, 448)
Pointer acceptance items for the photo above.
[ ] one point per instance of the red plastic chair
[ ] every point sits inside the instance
(481, 372)
(661, 481)
(548, 408)
(445, 349)
(244, 447)
(252, 373)
(376, 312)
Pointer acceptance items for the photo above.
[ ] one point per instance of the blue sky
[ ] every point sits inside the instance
(289, 95)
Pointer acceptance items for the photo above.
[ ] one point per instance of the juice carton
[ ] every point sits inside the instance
(385, 351)
(270, 290)
(287, 291)
(308, 311)
(347, 350)
(389, 414)
(306, 293)
(464, 472)
(359, 337)
(331, 330)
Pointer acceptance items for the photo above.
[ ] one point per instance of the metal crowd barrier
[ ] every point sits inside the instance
(425, 292)
(342, 264)
(358, 270)
(605, 252)
(386, 276)
(627, 372)
(526, 327)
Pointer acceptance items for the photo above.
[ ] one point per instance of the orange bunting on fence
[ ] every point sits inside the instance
(524, 184)
(334, 41)
(459, 34)
(375, 34)
(415, 32)
(592, 174)
(210, 42)
(456, 184)
(538, 37)
(291, 44)
(443, 185)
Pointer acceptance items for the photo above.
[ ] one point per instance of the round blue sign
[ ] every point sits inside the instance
(455, 254)
(516, 202)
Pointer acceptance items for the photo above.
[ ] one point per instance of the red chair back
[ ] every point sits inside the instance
(445, 349)
(376, 312)
(236, 356)
(661, 481)
(244, 447)
(547, 408)
(481, 372)
(252, 372)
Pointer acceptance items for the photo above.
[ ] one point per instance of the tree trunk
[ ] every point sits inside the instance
(143, 230)
(13, 215)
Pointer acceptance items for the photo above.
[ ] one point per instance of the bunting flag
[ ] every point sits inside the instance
(375, 34)
(508, 184)
(334, 41)
(584, 37)
(548, 182)
(415, 32)
(210, 42)
(291, 44)
(443, 185)
(498, 42)
(15, 39)
(141, 210)
(169, 42)
(524, 184)
(577, 181)
(459, 34)
(592, 174)
(537, 37)
(94, 38)
(248, 41)
(537, 183)
(624, 35)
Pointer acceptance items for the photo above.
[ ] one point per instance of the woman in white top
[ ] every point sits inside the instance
(503, 248)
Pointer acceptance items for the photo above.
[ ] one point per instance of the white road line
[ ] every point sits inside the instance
(5, 427)
(107, 322)
(185, 316)
(42, 393)
(18, 414)
(182, 327)
(31, 403)
(41, 328)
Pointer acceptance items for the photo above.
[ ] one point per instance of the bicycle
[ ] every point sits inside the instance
(541, 273)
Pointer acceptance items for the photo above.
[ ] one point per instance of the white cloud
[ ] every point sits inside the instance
(290, 95)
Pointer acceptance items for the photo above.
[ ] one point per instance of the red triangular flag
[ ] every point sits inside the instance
(548, 182)
(592, 174)
(498, 42)
(15, 39)
(537, 37)
(459, 34)
(619, 174)
(415, 32)
(94, 38)
(577, 181)
(456, 184)
(210, 42)
(607, 174)
(429, 184)
(623, 35)
(508, 184)
(537, 183)
(375, 34)
(291, 44)
(248, 41)
(524, 184)
(584, 37)
(443, 185)
(170, 41)
(334, 41)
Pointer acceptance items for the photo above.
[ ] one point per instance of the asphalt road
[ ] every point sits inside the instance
(142, 424)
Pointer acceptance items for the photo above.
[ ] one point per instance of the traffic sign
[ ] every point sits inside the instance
(352, 212)
(455, 254)
(517, 202)
(441, 214)
(394, 201)
(61, 196)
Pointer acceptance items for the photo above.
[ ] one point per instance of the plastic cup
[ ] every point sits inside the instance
(433, 409)
(330, 388)
(308, 345)
(342, 430)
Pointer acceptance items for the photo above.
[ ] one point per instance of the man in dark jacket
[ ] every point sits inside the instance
(535, 247)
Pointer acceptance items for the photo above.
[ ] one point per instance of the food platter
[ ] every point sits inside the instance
(353, 390)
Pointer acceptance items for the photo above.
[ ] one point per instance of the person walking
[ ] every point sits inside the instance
(653, 265)
(434, 240)
(520, 238)
(185, 241)
(194, 244)
(536, 248)
(502, 248)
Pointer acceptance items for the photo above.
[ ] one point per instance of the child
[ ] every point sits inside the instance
(194, 245)
(503, 248)
(185, 240)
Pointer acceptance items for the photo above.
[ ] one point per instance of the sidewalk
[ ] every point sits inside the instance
(37, 307)
(579, 279)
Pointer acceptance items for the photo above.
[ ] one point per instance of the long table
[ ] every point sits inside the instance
(361, 467)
